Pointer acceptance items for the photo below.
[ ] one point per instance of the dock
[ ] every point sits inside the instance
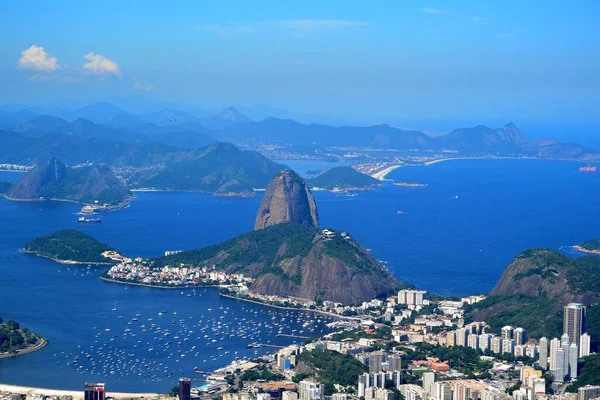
(293, 336)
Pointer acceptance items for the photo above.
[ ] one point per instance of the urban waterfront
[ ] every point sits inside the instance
(500, 210)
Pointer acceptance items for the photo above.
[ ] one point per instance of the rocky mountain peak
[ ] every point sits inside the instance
(287, 199)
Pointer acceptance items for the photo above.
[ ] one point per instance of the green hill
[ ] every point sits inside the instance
(290, 259)
(221, 168)
(343, 178)
(69, 245)
(534, 288)
(53, 180)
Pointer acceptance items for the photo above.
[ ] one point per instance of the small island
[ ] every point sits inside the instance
(341, 179)
(15, 340)
(589, 247)
(69, 246)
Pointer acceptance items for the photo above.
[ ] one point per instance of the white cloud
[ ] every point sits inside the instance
(99, 64)
(36, 57)
(430, 10)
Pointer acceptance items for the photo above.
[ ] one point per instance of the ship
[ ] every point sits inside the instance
(400, 212)
(588, 168)
(89, 220)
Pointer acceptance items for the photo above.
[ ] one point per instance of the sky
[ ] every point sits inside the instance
(402, 60)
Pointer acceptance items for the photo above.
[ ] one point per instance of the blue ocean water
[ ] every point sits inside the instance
(457, 235)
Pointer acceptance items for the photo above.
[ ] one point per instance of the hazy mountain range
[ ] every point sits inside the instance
(33, 132)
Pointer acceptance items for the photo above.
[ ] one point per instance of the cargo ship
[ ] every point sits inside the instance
(588, 168)
(88, 220)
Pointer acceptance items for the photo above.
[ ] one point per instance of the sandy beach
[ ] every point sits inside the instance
(75, 394)
(381, 174)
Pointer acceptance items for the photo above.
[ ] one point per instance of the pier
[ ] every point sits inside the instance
(293, 336)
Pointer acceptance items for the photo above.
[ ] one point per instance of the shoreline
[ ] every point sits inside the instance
(289, 308)
(160, 287)
(384, 172)
(39, 346)
(76, 394)
(586, 251)
(64, 262)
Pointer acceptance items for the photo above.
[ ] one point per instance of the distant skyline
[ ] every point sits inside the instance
(414, 61)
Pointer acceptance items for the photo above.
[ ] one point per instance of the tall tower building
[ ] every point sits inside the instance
(394, 362)
(584, 345)
(559, 372)
(574, 323)
(543, 350)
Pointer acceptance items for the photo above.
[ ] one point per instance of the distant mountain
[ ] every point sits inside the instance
(53, 180)
(184, 140)
(41, 125)
(228, 117)
(169, 117)
(481, 138)
(287, 199)
(221, 169)
(11, 118)
(343, 178)
(124, 121)
(100, 112)
(534, 288)
(274, 130)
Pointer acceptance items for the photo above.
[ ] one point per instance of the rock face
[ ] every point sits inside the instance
(32, 184)
(287, 199)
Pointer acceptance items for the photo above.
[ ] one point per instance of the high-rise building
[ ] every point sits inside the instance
(428, 379)
(394, 362)
(310, 390)
(507, 332)
(564, 339)
(584, 345)
(588, 392)
(484, 341)
(559, 373)
(574, 323)
(461, 337)
(519, 336)
(185, 388)
(263, 396)
(554, 346)
(363, 384)
(339, 396)
(451, 339)
(288, 395)
(375, 361)
(508, 346)
(94, 391)
(496, 345)
(543, 350)
(441, 391)
(473, 341)
(573, 356)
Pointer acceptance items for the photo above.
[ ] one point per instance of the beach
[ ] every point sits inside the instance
(381, 174)
(75, 394)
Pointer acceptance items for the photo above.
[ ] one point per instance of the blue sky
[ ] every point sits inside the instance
(466, 60)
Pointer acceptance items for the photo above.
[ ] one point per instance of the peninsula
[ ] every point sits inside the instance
(343, 179)
(15, 340)
(53, 180)
(70, 247)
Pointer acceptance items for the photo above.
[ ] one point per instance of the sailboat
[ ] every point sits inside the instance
(115, 309)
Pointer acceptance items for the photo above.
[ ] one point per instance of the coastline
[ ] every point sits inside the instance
(215, 194)
(66, 262)
(586, 251)
(39, 346)
(289, 308)
(24, 390)
(382, 174)
(159, 286)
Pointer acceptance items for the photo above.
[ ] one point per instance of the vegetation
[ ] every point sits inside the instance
(463, 359)
(591, 244)
(13, 337)
(589, 373)
(69, 245)
(260, 372)
(333, 367)
(343, 178)
(219, 168)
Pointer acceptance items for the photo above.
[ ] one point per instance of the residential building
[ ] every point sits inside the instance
(185, 387)
(543, 351)
(428, 379)
(588, 392)
(584, 345)
(573, 356)
(507, 332)
(94, 391)
(310, 390)
(519, 336)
